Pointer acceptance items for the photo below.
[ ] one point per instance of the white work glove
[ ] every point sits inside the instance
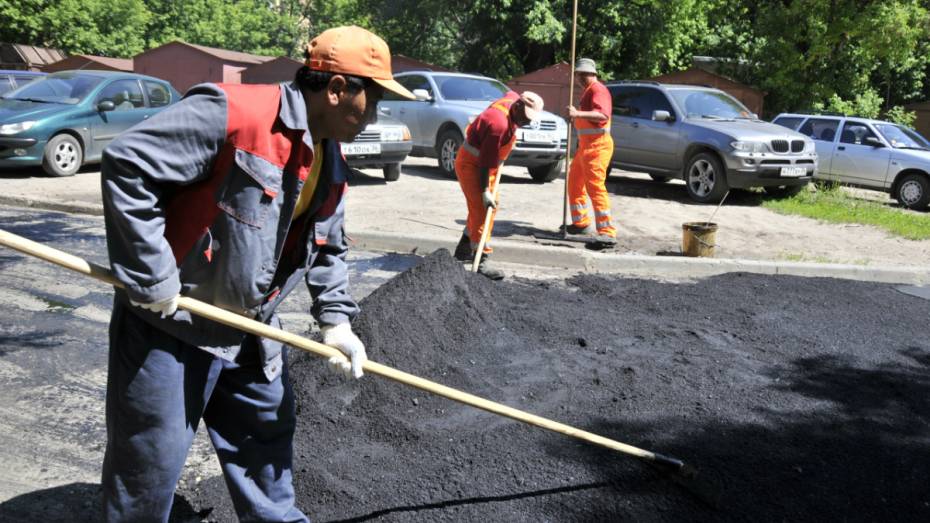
(341, 337)
(165, 307)
(488, 199)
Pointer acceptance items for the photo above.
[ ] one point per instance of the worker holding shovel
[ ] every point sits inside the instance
(232, 196)
(488, 141)
(589, 166)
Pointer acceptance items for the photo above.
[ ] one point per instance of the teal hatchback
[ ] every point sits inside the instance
(65, 119)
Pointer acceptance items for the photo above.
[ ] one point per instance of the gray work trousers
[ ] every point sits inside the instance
(158, 389)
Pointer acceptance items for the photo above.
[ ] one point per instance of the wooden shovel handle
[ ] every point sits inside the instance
(250, 326)
(485, 232)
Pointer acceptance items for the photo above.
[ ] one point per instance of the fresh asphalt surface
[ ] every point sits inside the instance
(53, 371)
(53, 353)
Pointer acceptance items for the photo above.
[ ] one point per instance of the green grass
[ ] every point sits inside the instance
(832, 204)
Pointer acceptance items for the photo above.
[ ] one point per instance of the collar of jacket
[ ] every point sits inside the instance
(293, 113)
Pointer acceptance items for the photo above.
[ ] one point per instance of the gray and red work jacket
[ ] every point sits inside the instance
(200, 200)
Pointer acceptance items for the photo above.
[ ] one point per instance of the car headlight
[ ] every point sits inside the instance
(810, 146)
(748, 147)
(13, 128)
(392, 134)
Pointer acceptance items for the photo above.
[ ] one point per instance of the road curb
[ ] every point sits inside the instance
(47, 204)
(511, 251)
(576, 259)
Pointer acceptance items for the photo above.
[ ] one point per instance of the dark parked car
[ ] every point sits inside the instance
(11, 79)
(384, 144)
(65, 119)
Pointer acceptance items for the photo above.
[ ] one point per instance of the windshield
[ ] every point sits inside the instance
(62, 88)
(901, 137)
(700, 103)
(465, 88)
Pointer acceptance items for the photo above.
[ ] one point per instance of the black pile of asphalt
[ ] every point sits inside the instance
(797, 399)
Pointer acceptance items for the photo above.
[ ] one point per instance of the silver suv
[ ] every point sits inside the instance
(447, 102)
(707, 138)
(869, 153)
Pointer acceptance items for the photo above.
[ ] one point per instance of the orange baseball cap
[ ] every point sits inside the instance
(356, 51)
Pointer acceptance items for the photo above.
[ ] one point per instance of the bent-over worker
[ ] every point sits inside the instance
(488, 141)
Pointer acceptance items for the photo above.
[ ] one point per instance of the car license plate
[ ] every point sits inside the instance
(538, 136)
(357, 149)
(793, 172)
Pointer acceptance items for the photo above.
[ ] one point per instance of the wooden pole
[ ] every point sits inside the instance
(257, 328)
(571, 101)
(489, 214)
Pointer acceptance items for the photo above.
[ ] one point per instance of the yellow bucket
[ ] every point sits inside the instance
(698, 239)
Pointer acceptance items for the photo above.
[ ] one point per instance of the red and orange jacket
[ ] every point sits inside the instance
(200, 200)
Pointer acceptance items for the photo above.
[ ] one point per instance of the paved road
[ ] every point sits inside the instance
(53, 345)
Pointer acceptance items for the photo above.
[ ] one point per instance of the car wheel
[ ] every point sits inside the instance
(659, 178)
(391, 172)
(548, 172)
(914, 191)
(447, 147)
(786, 191)
(705, 178)
(63, 156)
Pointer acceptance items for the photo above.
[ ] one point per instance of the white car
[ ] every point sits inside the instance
(448, 102)
(384, 144)
(868, 153)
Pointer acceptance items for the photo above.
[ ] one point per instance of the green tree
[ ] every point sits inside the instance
(109, 28)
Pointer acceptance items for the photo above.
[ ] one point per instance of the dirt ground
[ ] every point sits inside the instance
(648, 217)
(796, 399)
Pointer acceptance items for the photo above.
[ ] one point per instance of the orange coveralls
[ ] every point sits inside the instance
(488, 141)
(589, 167)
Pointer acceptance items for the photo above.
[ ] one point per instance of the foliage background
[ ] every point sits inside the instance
(862, 55)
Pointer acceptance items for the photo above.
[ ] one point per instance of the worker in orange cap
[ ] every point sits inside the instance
(589, 166)
(235, 196)
(488, 141)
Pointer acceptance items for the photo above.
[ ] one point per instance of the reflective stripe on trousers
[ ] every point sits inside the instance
(593, 131)
(586, 179)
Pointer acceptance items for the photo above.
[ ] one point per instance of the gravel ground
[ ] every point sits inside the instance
(796, 399)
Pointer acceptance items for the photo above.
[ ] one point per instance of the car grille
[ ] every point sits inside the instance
(781, 146)
(544, 125)
(368, 136)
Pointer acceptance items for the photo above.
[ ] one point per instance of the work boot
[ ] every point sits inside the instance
(463, 249)
(604, 241)
(575, 229)
(489, 271)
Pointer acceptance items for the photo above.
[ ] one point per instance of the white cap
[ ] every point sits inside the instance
(533, 104)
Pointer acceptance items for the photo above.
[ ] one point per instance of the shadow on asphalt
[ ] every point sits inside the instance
(51, 227)
(860, 455)
(11, 343)
(675, 191)
(74, 502)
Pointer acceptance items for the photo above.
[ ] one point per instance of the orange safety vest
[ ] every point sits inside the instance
(502, 105)
(589, 131)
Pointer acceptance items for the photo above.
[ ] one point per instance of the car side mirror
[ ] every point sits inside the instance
(873, 141)
(105, 106)
(662, 116)
(422, 95)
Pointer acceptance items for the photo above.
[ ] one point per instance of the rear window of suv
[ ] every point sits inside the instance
(463, 88)
(790, 122)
